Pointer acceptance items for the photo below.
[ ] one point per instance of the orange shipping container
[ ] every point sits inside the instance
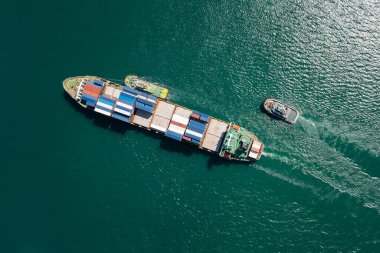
(93, 89)
(90, 93)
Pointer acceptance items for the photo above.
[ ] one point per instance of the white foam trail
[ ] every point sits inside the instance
(278, 157)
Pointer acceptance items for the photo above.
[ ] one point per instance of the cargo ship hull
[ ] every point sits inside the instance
(153, 113)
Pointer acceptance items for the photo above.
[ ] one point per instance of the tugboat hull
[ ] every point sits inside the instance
(280, 110)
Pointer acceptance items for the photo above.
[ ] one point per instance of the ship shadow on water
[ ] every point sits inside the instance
(167, 144)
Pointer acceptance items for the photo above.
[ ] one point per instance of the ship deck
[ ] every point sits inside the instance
(152, 113)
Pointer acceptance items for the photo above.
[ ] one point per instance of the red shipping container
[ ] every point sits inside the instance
(92, 88)
(195, 116)
(90, 93)
(186, 138)
(178, 124)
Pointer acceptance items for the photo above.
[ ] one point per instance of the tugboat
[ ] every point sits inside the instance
(140, 84)
(281, 110)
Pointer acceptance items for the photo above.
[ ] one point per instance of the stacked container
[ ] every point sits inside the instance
(162, 116)
(196, 128)
(144, 109)
(146, 102)
(178, 123)
(90, 94)
(124, 106)
(104, 105)
(255, 149)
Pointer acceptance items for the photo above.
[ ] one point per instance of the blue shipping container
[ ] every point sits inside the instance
(91, 103)
(103, 108)
(143, 94)
(107, 99)
(192, 128)
(110, 103)
(173, 135)
(145, 102)
(197, 124)
(196, 112)
(152, 97)
(123, 108)
(129, 89)
(143, 107)
(192, 136)
(98, 83)
(120, 117)
(126, 98)
(195, 142)
(88, 97)
(204, 117)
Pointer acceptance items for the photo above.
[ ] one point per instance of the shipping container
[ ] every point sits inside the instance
(178, 124)
(88, 97)
(91, 103)
(164, 109)
(253, 154)
(197, 125)
(107, 100)
(177, 129)
(143, 94)
(108, 113)
(92, 88)
(127, 98)
(217, 127)
(120, 117)
(204, 117)
(143, 107)
(200, 131)
(180, 111)
(256, 146)
(160, 123)
(212, 142)
(124, 112)
(119, 103)
(98, 83)
(180, 119)
(90, 93)
(146, 102)
(173, 135)
(152, 97)
(104, 105)
(186, 138)
(195, 116)
(128, 89)
(195, 141)
(103, 108)
(199, 135)
(123, 108)
(142, 118)
(192, 136)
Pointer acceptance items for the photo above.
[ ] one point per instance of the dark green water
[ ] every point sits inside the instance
(72, 181)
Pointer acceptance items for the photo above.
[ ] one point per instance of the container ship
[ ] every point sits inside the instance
(144, 104)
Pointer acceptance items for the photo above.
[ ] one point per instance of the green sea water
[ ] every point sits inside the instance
(74, 181)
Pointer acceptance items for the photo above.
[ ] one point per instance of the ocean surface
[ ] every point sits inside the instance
(75, 181)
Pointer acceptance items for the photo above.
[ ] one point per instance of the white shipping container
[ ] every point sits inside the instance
(194, 133)
(177, 129)
(104, 105)
(253, 155)
(124, 105)
(159, 128)
(256, 145)
(180, 119)
(102, 112)
(122, 111)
